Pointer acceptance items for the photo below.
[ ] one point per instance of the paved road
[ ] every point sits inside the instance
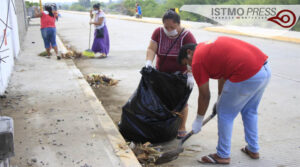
(279, 118)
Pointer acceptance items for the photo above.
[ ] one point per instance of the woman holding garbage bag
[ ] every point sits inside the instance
(166, 42)
(48, 29)
(101, 38)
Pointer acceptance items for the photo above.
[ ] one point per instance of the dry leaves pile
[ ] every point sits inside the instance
(146, 153)
(96, 80)
(71, 54)
(43, 54)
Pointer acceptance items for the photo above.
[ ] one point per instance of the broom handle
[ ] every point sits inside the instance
(90, 36)
(214, 113)
(41, 7)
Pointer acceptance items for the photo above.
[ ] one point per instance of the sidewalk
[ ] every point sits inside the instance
(58, 120)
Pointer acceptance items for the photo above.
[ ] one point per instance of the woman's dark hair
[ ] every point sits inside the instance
(183, 51)
(171, 14)
(97, 6)
(49, 9)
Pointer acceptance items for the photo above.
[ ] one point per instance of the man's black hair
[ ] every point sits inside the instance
(97, 6)
(171, 14)
(183, 51)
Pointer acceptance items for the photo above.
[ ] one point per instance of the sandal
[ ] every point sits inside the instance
(103, 56)
(249, 153)
(214, 159)
(181, 134)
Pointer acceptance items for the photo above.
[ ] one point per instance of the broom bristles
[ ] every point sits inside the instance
(88, 53)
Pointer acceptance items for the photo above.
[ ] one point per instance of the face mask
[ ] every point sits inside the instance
(95, 11)
(46, 12)
(170, 33)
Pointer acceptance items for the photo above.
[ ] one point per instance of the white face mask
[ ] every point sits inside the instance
(170, 33)
(95, 11)
(46, 12)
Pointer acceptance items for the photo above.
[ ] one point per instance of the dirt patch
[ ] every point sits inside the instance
(112, 105)
(108, 96)
(99, 80)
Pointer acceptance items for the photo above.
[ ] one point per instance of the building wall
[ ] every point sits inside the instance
(22, 18)
(12, 36)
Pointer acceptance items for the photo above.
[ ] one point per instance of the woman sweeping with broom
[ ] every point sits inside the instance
(101, 38)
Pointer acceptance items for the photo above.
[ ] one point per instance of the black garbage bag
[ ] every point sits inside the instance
(150, 113)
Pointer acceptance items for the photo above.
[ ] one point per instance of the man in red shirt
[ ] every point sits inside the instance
(243, 74)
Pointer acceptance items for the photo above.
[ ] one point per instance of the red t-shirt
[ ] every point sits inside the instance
(226, 58)
(169, 63)
(47, 21)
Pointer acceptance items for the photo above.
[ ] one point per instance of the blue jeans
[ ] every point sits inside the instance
(49, 36)
(241, 97)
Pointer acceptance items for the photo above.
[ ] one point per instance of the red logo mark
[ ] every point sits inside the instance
(5, 38)
(284, 18)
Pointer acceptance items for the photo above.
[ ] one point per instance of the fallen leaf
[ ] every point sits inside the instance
(31, 111)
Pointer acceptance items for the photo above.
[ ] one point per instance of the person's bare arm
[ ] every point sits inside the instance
(100, 21)
(221, 83)
(151, 51)
(91, 14)
(37, 13)
(203, 99)
(55, 14)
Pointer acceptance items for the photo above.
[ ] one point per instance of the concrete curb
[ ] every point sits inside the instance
(119, 146)
(234, 32)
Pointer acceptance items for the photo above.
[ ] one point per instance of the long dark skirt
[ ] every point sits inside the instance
(101, 45)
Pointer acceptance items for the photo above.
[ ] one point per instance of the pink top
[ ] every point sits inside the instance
(47, 21)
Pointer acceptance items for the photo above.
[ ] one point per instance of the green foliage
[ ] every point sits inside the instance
(77, 7)
(65, 7)
(116, 8)
(30, 4)
(85, 3)
(297, 26)
(102, 5)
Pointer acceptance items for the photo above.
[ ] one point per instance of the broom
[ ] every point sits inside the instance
(89, 52)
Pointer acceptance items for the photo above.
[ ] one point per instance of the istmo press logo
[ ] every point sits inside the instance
(276, 17)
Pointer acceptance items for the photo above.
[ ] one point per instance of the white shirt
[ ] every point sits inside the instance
(97, 17)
